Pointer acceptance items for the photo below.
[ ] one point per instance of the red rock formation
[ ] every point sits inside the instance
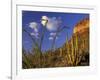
(81, 26)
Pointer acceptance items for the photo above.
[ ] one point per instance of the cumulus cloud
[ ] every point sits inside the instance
(36, 35)
(52, 24)
(34, 26)
(51, 38)
(35, 30)
(53, 34)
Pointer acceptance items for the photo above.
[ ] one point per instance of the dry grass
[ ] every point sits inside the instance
(74, 52)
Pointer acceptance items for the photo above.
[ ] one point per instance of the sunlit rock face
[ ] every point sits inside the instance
(81, 26)
(81, 33)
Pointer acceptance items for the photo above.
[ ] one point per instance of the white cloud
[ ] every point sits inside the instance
(52, 24)
(51, 38)
(53, 34)
(36, 30)
(36, 35)
(34, 26)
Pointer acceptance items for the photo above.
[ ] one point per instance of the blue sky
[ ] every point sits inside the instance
(56, 19)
